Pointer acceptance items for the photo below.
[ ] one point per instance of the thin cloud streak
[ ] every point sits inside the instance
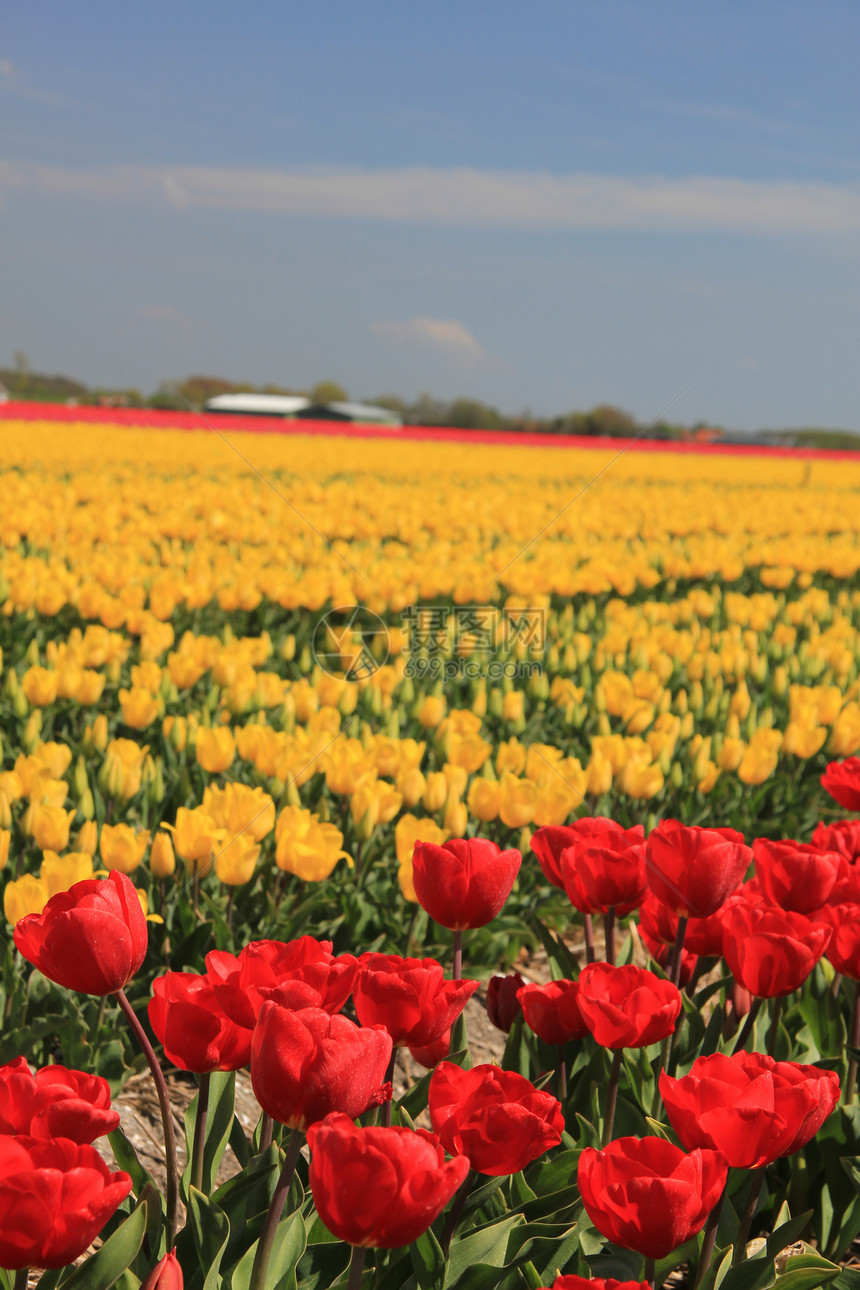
(466, 197)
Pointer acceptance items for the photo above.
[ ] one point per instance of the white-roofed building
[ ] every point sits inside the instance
(258, 405)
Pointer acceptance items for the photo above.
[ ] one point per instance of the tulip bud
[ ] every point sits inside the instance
(365, 826)
(292, 793)
(113, 671)
(348, 700)
(407, 691)
(503, 1006)
(288, 648)
(162, 860)
(80, 778)
(166, 1275)
(32, 729)
(32, 653)
(155, 791)
(603, 726)
(88, 837)
(304, 661)
(10, 685)
(86, 805)
(100, 732)
(676, 775)
(456, 816)
(20, 706)
(5, 812)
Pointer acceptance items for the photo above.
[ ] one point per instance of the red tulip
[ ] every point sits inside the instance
(694, 870)
(605, 867)
(646, 1195)
(627, 1007)
(843, 950)
(379, 1187)
(409, 997)
(243, 982)
(306, 1064)
(430, 1055)
(166, 1275)
(662, 956)
(54, 1103)
(748, 1106)
(187, 1018)
(91, 938)
(842, 782)
(503, 1005)
(797, 875)
(495, 1117)
(547, 844)
(596, 1283)
(658, 923)
(843, 836)
(552, 1011)
(771, 951)
(55, 1198)
(464, 883)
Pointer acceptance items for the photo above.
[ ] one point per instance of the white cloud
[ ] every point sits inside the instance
(445, 336)
(469, 197)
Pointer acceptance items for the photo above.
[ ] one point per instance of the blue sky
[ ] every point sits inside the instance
(544, 205)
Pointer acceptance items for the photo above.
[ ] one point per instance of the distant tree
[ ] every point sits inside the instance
(393, 402)
(470, 414)
(427, 411)
(608, 420)
(328, 392)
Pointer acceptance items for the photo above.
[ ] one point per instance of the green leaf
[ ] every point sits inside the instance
(760, 1271)
(104, 1268)
(210, 1231)
(127, 1159)
(287, 1248)
(472, 1257)
(428, 1261)
(563, 963)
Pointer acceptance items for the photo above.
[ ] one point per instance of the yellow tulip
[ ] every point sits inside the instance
(214, 749)
(25, 895)
(517, 801)
(139, 708)
(484, 799)
(236, 861)
(162, 860)
(306, 847)
(49, 826)
(122, 847)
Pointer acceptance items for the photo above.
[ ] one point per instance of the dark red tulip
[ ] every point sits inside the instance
(379, 1187)
(91, 938)
(552, 1011)
(842, 782)
(645, 1194)
(495, 1117)
(54, 1103)
(658, 923)
(771, 951)
(843, 951)
(503, 1005)
(748, 1106)
(464, 883)
(796, 875)
(595, 1283)
(186, 1015)
(694, 870)
(166, 1275)
(306, 1063)
(409, 997)
(55, 1198)
(627, 1007)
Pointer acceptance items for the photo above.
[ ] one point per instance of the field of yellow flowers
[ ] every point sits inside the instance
(250, 673)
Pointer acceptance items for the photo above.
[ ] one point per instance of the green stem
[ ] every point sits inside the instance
(708, 1243)
(562, 1076)
(457, 972)
(677, 952)
(267, 1129)
(166, 1115)
(748, 1025)
(743, 1232)
(200, 1133)
(356, 1266)
(650, 1272)
(21, 1277)
(589, 938)
(773, 1031)
(275, 1211)
(456, 1210)
(609, 935)
(612, 1096)
(389, 1076)
(853, 1042)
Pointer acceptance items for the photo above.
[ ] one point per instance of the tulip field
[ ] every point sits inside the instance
(309, 741)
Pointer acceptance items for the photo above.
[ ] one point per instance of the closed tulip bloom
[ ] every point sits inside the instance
(842, 782)
(658, 923)
(196, 1034)
(547, 844)
(595, 1283)
(162, 860)
(647, 1195)
(214, 748)
(495, 1117)
(796, 875)
(464, 883)
(771, 951)
(843, 950)
(552, 1011)
(605, 869)
(748, 1106)
(627, 1007)
(50, 827)
(694, 870)
(166, 1275)
(409, 997)
(122, 847)
(379, 1187)
(54, 1103)
(430, 1055)
(503, 1005)
(243, 982)
(91, 938)
(55, 1198)
(306, 1064)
